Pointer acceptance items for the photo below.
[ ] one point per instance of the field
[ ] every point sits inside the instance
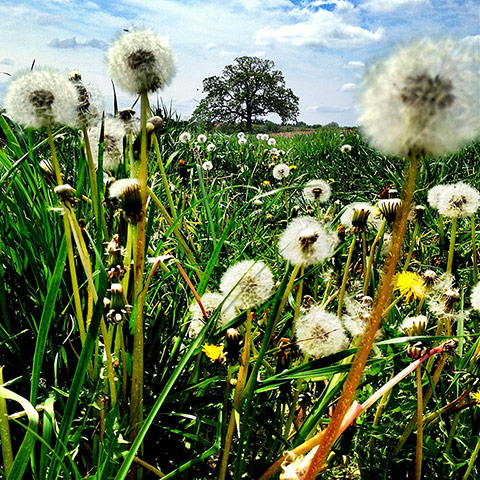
(94, 394)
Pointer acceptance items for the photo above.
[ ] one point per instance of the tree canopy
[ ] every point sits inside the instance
(247, 91)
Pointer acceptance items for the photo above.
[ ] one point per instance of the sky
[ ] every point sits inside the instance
(322, 47)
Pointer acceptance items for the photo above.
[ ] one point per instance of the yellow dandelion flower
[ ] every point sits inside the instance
(214, 352)
(266, 183)
(476, 396)
(410, 285)
(292, 167)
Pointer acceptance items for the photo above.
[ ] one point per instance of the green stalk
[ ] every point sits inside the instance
(412, 246)
(7, 452)
(371, 257)
(451, 250)
(345, 276)
(418, 457)
(472, 461)
(474, 250)
(382, 297)
(136, 398)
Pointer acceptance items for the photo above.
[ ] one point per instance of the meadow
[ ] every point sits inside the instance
(183, 303)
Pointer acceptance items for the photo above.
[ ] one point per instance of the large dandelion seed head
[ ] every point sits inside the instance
(458, 200)
(89, 101)
(114, 131)
(248, 284)
(424, 98)
(320, 333)
(305, 242)
(317, 191)
(141, 61)
(41, 98)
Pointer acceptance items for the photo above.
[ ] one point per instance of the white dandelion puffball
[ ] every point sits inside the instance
(281, 171)
(120, 186)
(372, 220)
(201, 138)
(425, 98)
(211, 147)
(89, 101)
(317, 191)
(320, 333)
(434, 194)
(305, 242)
(265, 137)
(346, 148)
(420, 321)
(242, 141)
(41, 98)
(240, 135)
(248, 284)
(140, 61)
(207, 166)
(185, 137)
(259, 136)
(114, 131)
(458, 200)
(475, 298)
(271, 142)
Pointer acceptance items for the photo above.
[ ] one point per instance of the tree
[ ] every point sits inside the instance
(247, 90)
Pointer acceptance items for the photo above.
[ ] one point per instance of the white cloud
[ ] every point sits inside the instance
(348, 87)
(210, 46)
(322, 28)
(72, 43)
(392, 5)
(7, 61)
(327, 109)
(355, 64)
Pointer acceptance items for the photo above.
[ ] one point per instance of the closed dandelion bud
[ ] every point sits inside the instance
(389, 208)
(359, 220)
(429, 278)
(418, 213)
(341, 232)
(128, 192)
(364, 214)
(118, 306)
(65, 193)
(47, 168)
(234, 341)
(155, 123)
(114, 251)
(183, 169)
(417, 350)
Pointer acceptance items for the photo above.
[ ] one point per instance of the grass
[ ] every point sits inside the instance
(208, 222)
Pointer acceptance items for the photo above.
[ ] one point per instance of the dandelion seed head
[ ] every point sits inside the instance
(271, 142)
(458, 200)
(201, 138)
(346, 148)
(265, 137)
(475, 298)
(248, 284)
(424, 98)
(211, 147)
(185, 137)
(352, 212)
(317, 191)
(140, 61)
(242, 141)
(281, 171)
(414, 326)
(320, 333)
(41, 98)
(305, 242)
(114, 131)
(207, 166)
(89, 101)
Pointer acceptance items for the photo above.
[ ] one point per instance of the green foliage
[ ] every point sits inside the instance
(247, 90)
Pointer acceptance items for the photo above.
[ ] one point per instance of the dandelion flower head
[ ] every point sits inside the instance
(305, 242)
(211, 147)
(114, 131)
(140, 61)
(185, 137)
(475, 298)
(202, 138)
(89, 101)
(424, 98)
(41, 98)
(410, 285)
(281, 171)
(271, 142)
(248, 284)
(320, 333)
(414, 326)
(214, 352)
(317, 191)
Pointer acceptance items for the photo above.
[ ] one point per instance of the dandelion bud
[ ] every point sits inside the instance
(359, 220)
(88, 101)
(389, 208)
(429, 278)
(128, 191)
(65, 193)
(417, 350)
(234, 341)
(418, 213)
(118, 306)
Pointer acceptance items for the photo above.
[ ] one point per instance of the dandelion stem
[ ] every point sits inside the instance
(345, 276)
(371, 257)
(7, 452)
(418, 457)
(412, 246)
(472, 461)
(382, 297)
(451, 250)
(474, 250)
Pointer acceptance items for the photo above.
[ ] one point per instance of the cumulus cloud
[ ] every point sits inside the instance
(7, 61)
(73, 43)
(392, 5)
(320, 28)
(210, 46)
(348, 87)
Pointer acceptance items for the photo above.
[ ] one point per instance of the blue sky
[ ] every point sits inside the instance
(322, 47)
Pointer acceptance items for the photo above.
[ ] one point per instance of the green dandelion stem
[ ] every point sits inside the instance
(371, 257)
(364, 252)
(474, 250)
(136, 398)
(109, 360)
(473, 459)
(382, 297)
(419, 452)
(56, 165)
(451, 249)
(343, 288)
(7, 451)
(412, 246)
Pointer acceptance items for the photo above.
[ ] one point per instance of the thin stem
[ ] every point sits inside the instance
(472, 461)
(474, 250)
(56, 165)
(382, 297)
(7, 451)
(451, 249)
(371, 257)
(418, 457)
(412, 246)
(345, 276)
(109, 360)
